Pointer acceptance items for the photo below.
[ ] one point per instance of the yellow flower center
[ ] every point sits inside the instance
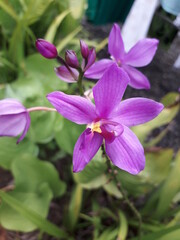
(95, 127)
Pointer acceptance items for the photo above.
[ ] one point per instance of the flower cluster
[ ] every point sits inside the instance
(108, 121)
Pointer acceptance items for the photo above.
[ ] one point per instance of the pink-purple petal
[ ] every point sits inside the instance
(115, 43)
(137, 79)
(85, 149)
(63, 73)
(97, 70)
(109, 90)
(26, 128)
(91, 59)
(126, 152)
(76, 109)
(11, 106)
(12, 125)
(142, 53)
(135, 111)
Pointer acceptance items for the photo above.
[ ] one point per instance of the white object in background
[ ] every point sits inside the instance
(138, 21)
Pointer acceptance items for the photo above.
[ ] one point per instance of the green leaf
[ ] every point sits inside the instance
(110, 234)
(30, 173)
(38, 202)
(94, 175)
(10, 150)
(74, 207)
(112, 189)
(51, 32)
(158, 165)
(68, 135)
(169, 189)
(123, 229)
(8, 9)
(35, 218)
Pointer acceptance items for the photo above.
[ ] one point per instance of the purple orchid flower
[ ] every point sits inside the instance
(141, 54)
(46, 49)
(108, 119)
(14, 119)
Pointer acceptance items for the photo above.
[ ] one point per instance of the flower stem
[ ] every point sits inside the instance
(81, 73)
(123, 192)
(33, 109)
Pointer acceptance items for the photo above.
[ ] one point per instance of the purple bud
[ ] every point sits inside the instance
(46, 49)
(14, 119)
(66, 75)
(71, 59)
(84, 49)
(91, 58)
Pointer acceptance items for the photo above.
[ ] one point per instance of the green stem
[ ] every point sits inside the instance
(81, 73)
(121, 189)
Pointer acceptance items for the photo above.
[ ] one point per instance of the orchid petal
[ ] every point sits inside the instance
(115, 43)
(126, 152)
(91, 59)
(137, 79)
(109, 90)
(10, 106)
(26, 128)
(63, 73)
(85, 148)
(12, 125)
(142, 53)
(76, 109)
(135, 111)
(97, 70)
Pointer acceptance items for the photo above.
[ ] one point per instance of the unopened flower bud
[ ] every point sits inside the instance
(71, 59)
(84, 49)
(91, 58)
(46, 49)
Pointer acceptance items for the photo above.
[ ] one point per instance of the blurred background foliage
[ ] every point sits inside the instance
(40, 166)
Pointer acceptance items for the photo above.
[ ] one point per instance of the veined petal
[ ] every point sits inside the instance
(12, 125)
(135, 111)
(137, 79)
(142, 53)
(97, 70)
(10, 106)
(63, 73)
(85, 148)
(126, 152)
(109, 90)
(115, 43)
(91, 58)
(26, 128)
(76, 109)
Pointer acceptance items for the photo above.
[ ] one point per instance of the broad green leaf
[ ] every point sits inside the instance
(9, 150)
(94, 175)
(39, 132)
(68, 135)
(65, 41)
(35, 218)
(51, 32)
(38, 202)
(74, 207)
(169, 189)
(30, 173)
(157, 165)
(123, 229)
